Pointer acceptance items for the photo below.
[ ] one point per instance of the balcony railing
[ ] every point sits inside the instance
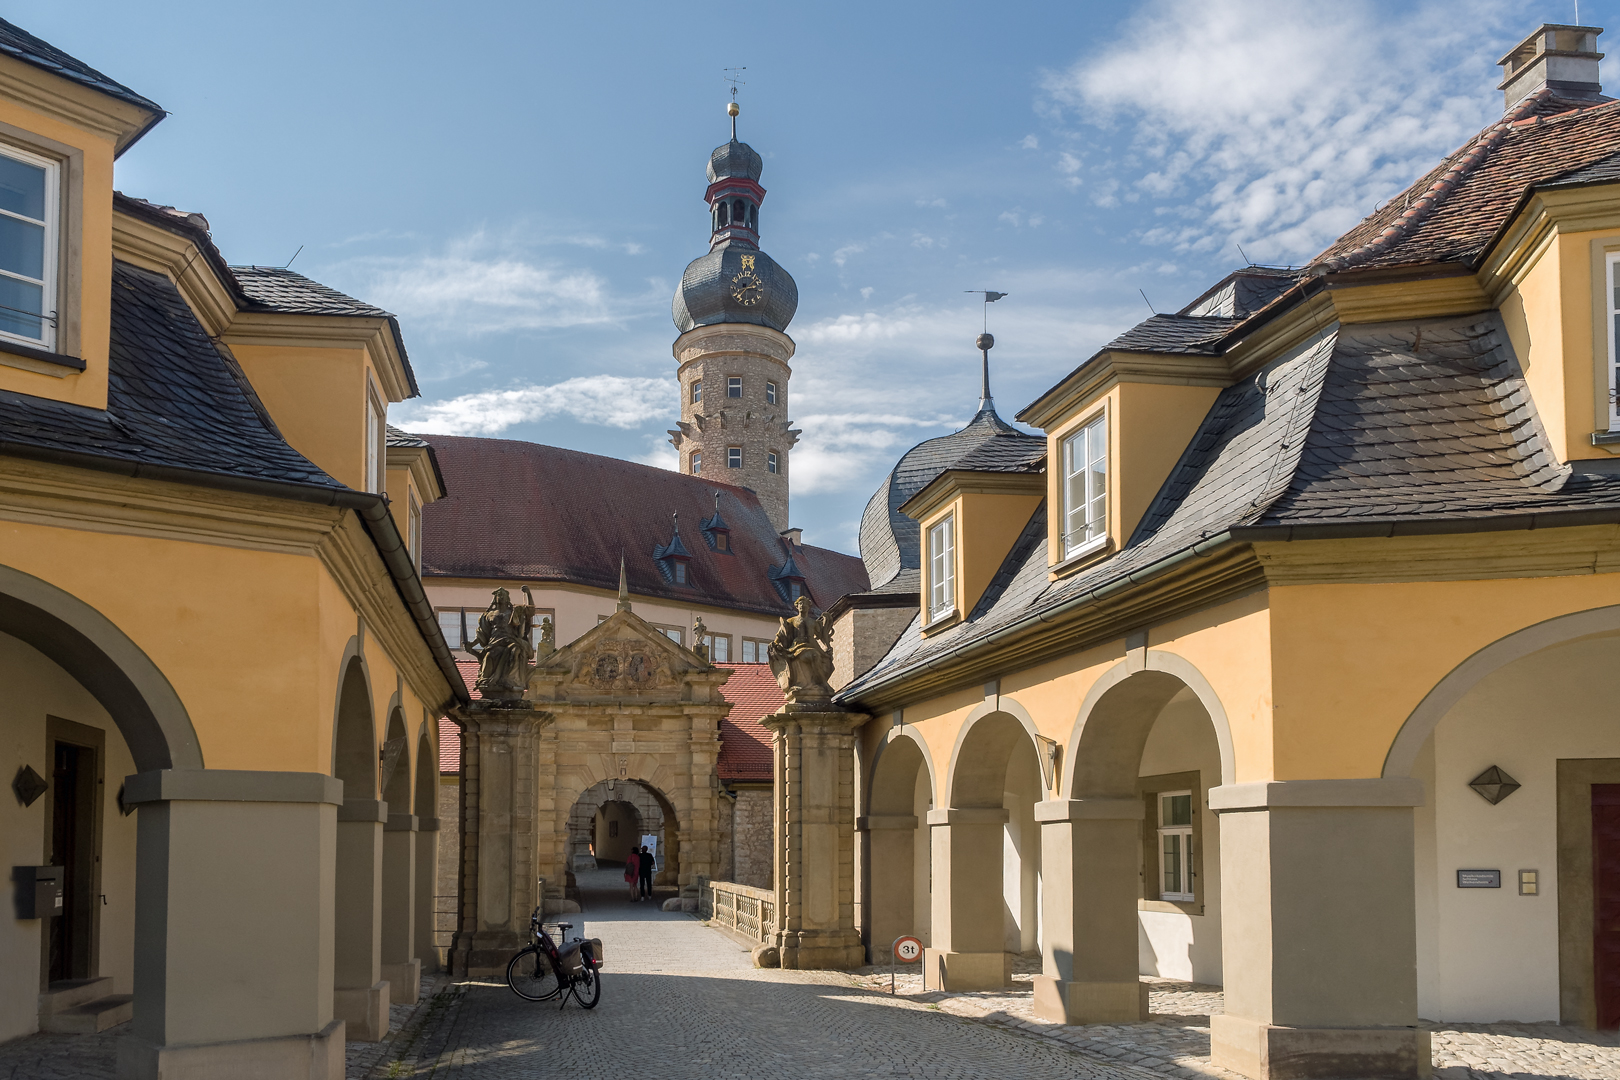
(747, 912)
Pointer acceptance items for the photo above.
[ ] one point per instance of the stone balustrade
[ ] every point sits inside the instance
(743, 911)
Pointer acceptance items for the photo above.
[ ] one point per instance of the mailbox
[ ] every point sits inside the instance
(39, 891)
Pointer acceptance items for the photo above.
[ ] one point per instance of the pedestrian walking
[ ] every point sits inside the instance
(631, 878)
(644, 870)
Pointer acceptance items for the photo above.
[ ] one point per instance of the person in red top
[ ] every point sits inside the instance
(631, 866)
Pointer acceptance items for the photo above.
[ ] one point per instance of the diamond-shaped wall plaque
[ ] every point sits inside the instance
(28, 785)
(1494, 785)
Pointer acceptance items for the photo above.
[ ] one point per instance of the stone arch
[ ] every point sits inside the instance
(397, 794)
(898, 732)
(661, 817)
(354, 735)
(901, 793)
(1446, 693)
(1014, 713)
(426, 804)
(360, 995)
(117, 673)
(1160, 675)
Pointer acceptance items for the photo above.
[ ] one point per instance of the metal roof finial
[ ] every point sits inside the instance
(732, 108)
(984, 343)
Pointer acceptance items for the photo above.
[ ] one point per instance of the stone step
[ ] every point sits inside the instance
(68, 993)
(93, 1016)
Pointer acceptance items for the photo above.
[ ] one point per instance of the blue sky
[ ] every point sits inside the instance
(522, 183)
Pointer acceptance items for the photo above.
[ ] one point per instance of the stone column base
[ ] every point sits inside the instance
(816, 950)
(484, 954)
(966, 970)
(364, 1010)
(1268, 1052)
(1090, 1002)
(318, 1057)
(404, 982)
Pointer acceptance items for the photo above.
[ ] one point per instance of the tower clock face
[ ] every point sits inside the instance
(747, 288)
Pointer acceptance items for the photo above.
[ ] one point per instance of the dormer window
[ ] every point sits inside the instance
(376, 426)
(679, 571)
(1085, 488)
(1612, 303)
(673, 557)
(722, 542)
(942, 567)
(29, 226)
(715, 529)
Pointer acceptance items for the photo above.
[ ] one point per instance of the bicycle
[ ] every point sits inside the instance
(542, 971)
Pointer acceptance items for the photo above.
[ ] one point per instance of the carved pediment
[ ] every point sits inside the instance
(621, 657)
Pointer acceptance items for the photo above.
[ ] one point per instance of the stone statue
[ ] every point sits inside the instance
(699, 632)
(502, 647)
(548, 635)
(801, 656)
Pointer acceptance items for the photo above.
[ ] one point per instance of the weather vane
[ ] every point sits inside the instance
(734, 77)
(984, 344)
(990, 297)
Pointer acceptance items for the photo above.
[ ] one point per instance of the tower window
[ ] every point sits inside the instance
(697, 462)
(770, 393)
(725, 214)
(733, 457)
(739, 211)
(770, 461)
(734, 386)
(697, 391)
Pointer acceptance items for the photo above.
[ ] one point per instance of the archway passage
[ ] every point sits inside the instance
(401, 968)
(1130, 853)
(360, 995)
(982, 919)
(613, 817)
(902, 794)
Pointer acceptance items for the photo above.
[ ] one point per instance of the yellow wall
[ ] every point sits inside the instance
(88, 387)
(317, 398)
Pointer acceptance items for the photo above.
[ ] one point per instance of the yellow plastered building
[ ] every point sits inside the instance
(221, 738)
(1281, 658)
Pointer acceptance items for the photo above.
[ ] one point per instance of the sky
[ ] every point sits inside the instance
(522, 183)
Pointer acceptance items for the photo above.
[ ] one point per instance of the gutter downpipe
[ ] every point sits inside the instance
(371, 508)
(1200, 550)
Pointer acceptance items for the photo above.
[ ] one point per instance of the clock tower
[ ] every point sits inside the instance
(732, 309)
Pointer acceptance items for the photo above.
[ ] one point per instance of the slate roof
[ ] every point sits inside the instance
(889, 539)
(1175, 334)
(19, 44)
(1454, 213)
(1422, 424)
(745, 744)
(174, 400)
(526, 512)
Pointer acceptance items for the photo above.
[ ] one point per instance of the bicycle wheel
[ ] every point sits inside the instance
(588, 986)
(530, 975)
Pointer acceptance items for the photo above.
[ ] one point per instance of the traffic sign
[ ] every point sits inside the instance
(907, 949)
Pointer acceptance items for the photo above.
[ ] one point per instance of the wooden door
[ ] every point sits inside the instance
(1606, 902)
(73, 844)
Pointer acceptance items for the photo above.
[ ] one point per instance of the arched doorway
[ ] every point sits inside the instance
(400, 967)
(982, 919)
(426, 808)
(611, 817)
(902, 794)
(1131, 849)
(360, 995)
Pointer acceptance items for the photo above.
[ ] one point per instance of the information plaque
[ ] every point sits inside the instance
(1479, 879)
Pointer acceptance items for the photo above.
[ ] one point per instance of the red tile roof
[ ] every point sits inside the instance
(1455, 212)
(745, 745)
(519, 511)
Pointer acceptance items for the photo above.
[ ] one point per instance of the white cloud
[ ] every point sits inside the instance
(842, 255)
(608, 400)
(866, 292)
(660, 454)
(838, 446)
(1284, 123)
(1030, 142)
(938, 204)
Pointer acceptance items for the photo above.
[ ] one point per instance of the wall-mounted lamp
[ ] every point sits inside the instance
(1494, 785)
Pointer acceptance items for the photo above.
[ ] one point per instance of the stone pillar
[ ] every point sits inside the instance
(814, 746)
(360, 993)
(400, 965)
(1091, 857)
(969, 950)
(427, 875)
(1318, 930)
(890, 857)
(499, 811)
(233, 926)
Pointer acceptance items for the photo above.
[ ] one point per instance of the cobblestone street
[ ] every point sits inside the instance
(681, 1001)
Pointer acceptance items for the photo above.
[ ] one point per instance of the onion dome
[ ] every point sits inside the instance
(735, 159)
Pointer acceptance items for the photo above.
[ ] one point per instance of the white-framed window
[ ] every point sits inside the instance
(376, 433)
(697, 462)
(680, 572)
(414, 528)
(697, 391)
(719, 647)
(1175, 845)
(674, 633)
(30, 230)
(1085, 487)
(1612, 304)
(460, 625)
(733, 457)
(770, 393)
(754, 651)
(942, 566)
(734, 386)
(770, 461)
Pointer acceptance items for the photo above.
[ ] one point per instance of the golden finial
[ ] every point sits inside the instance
(732, 109)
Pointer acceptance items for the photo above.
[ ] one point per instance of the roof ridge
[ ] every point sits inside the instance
(1465, 160)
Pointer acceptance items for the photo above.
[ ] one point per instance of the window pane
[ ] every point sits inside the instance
(17, 297)
(450, 627)
(1177, 810)
(1172, 863)
(22, 188)
(720, 648)
(22, 247)
(748, 652)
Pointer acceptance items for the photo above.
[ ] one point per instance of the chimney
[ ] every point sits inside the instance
(794, 536)
(1562, 58)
